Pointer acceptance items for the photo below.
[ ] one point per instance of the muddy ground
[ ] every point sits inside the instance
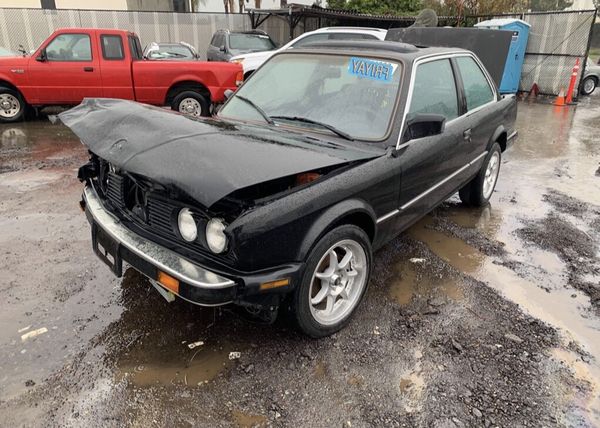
(474, 317)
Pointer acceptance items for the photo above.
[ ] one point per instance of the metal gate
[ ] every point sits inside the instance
(556, 41)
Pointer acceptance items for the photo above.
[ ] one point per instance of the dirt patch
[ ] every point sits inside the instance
(574, 246)
(566, 204)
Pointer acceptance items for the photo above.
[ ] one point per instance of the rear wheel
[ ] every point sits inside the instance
(478, 191)
(334, 281)
(588, 86)
(191, 103)
(12, 105)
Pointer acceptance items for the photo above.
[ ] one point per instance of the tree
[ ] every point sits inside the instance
(378, 7)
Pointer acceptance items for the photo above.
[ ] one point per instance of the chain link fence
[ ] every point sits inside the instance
(556, 41)
(30, 27)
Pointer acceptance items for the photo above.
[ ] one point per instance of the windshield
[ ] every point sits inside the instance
(355, 95)
(258, 42)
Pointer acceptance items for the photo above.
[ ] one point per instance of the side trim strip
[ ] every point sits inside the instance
(431, 189)
(512, 135)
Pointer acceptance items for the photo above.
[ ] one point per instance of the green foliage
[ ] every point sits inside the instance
(378, 7)
(543, 5)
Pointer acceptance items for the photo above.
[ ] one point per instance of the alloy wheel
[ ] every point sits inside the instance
(338, 282)
(491, 175)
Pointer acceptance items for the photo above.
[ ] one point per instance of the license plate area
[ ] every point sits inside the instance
(107, 249)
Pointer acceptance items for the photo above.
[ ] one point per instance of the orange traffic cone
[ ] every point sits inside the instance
(560, 100)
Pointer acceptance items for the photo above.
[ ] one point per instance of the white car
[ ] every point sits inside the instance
(252, 61)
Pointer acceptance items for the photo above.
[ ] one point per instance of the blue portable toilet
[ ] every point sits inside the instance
(516, 53)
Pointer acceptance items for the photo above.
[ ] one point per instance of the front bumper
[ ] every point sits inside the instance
(197, 284)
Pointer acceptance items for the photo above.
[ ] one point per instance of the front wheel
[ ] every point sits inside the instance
(12, 105)
(334, 281)
(478, 191)
(588, 86)
(191, 103)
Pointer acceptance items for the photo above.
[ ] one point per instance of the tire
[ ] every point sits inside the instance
(588, 85)
(311, 299)
(479, 190)
(191, 103)
(12, 105)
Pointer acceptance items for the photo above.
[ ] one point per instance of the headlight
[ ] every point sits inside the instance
(237, 60)
(187, 225)
(215, 235)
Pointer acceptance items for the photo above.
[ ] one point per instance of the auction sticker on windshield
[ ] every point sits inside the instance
(370, 69)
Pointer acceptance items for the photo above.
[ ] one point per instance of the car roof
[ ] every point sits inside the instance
(256, 32)
(395, 50)
(351, 29)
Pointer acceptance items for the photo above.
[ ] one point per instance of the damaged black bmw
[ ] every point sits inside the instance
(321, 157)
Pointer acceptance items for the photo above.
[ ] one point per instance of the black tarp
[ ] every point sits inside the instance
(206, 158)
(491, 46)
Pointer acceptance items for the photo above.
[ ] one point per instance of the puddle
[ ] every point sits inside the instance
(205, 366)
(564, 308)
(247, 420)
(412, 284)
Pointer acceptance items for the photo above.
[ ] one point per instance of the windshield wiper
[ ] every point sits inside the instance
(316, 122)
(257, 108)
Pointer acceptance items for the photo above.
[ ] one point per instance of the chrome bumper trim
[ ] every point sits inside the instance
(163, 258)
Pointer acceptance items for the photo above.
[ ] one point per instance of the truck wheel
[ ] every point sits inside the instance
(588, 85)
(478, 191)
(12, 105)
(191, 103)
(334, 281)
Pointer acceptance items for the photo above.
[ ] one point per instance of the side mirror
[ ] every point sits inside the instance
(423, 125)
(42, 56)
(222, 49)
(228, 93)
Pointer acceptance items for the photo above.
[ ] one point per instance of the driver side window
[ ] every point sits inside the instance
(70, 47)
(434, 90)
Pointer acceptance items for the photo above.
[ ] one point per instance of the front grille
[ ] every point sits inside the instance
(115, 189)
(158, 216)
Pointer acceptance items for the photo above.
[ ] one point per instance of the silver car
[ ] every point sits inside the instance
(591, 78)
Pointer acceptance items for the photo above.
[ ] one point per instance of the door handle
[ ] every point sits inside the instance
(467, 135)
(88, 68)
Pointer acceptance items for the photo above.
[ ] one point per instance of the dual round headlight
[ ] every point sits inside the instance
(215, 230)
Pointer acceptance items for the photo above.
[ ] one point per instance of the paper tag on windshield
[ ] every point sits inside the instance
(370, 69)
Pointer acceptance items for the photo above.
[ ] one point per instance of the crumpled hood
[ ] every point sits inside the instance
(206, 158)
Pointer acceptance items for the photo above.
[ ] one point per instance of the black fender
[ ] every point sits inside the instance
(355, 211)
(499, 135)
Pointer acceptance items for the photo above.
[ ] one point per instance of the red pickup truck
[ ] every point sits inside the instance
(76, 63)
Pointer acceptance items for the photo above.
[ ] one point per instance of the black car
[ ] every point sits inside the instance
(181, 51)
(319, 159)
(225, 44)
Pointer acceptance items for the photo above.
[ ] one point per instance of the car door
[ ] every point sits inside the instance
(115, 68)
(68, 72)
(479, 120)
(213, 47)
(429, 163)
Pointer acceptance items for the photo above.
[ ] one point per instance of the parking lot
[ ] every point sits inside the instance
(474, 317)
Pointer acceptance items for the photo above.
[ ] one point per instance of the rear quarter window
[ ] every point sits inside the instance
(477, 88)
(112, 47)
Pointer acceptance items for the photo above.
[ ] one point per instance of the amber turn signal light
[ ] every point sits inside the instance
(274, 284)
(168, 282)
